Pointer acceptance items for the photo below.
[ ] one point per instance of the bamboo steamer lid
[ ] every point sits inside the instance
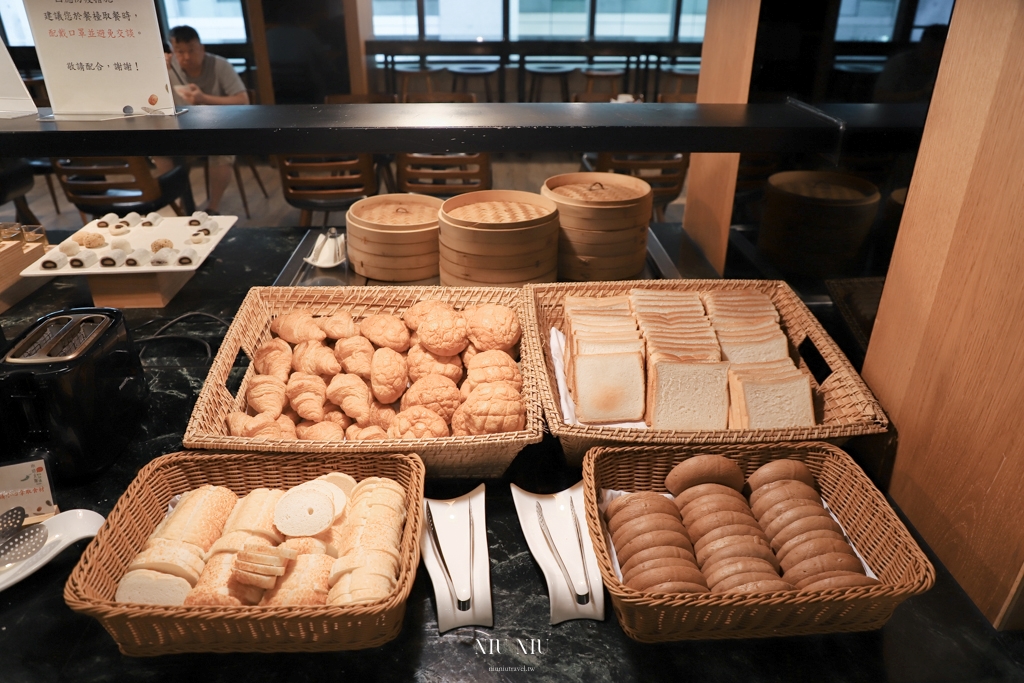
(460, 233)
(498, 210)
(395, 212)
(542, 244)
(386, 249)
(398, 274)
(455, 281)
(420, 235)
(360, 259)
(497, 261)
(491, 275)
(633, 235)
(612, 198)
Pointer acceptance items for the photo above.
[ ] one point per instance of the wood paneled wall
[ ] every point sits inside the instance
(946, 358)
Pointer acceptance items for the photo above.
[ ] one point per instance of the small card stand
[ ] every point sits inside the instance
(468, 563)
(558, 517)
(15, 101)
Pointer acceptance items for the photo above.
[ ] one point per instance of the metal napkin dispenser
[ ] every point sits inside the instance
(72, 391)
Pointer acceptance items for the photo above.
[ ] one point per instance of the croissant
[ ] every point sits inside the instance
(332, 413)
(355, 354)
(351, 393)
(274, 358)
(262, 425)
(287, 427)
(352, 431)
(306, 394)
(297, 326)
(320, 431)
(314, 358)
(338, 326)
(266, 395)
(371, 433)
(379, 415)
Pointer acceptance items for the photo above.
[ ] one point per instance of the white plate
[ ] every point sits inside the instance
(63, 529)
(174, 228)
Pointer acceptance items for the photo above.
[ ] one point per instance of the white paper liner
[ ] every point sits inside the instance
(568, 407)
(608, 495)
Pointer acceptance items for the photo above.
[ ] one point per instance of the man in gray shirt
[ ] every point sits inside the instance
(199, 78)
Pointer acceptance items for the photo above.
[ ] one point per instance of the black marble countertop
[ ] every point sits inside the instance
(938, 636)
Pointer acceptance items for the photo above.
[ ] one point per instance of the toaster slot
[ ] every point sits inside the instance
(61, 338)
(40, 338)
(77, 338)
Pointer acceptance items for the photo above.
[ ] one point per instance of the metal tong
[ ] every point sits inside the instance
(461, 605)
(581, 598)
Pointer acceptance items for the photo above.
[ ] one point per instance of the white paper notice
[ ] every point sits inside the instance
(14, 98)
(101, 58)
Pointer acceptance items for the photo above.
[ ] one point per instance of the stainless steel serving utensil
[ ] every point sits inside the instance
(10, 522)
(472, 564)
(584, 599)
(24, 544)
(462, 605)
(581, 599)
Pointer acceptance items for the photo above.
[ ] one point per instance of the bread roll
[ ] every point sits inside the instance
(655, 553)
(264, 560)
(793, 515)
(728, 530)
(804, 537)
(790, 490)
(781, 469)
(723, 505)
(714, 547)
(814, 548)
(694, 492)
(258, 568)
(217, 586)
(254, 514)
(777, 510)
(743, 549)
(719, 519)
(304, 582)
(802, 583)
(636, 505)
(148, 587)
(823, 563)
(303, 512)
(763, 586)
(306, 545)
(802, 526)
(737, 580)
(847, 581)
(252, 579)
(654, 522)
(235, 541)
(704, 469)
(343, 481)
(169, 559)
(677, 587)
(737, 565)
(199, 516)
(652, 577)
(768, 488)
(650, 540)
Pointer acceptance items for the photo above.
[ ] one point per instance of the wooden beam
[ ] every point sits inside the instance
(258, 38)
(358, 30)
(944, 356)
(727, 57)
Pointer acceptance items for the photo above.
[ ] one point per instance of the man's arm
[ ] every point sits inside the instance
(237, 98)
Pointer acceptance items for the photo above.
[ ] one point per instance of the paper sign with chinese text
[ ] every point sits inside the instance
(26, 484)
(14, 98)
(101, 57)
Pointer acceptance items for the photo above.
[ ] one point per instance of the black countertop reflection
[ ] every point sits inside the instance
(938, 636)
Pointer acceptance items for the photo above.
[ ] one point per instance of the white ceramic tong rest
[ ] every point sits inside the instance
(64, 529)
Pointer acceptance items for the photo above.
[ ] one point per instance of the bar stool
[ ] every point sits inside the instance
(685, 77)
(613, 77)
(538, 72)
(463, 72)
(413, 69)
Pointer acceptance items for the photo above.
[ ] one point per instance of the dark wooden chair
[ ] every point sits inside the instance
(326, 182)
(100, 185)
(677, 98)
(664, 171)
(16, 180)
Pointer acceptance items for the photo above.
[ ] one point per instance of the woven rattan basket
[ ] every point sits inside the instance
(453, 456)
(148, 630)
(844, 405)
(877, 533)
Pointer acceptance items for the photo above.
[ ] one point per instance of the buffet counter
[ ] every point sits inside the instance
(935, 636)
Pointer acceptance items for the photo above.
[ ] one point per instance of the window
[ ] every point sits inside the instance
(15, 21)
(464, 19)
(692, 14)
(394, 18)
(539, 19)
(930, 12)
(866, 20)
(217, 21)
(650, 19)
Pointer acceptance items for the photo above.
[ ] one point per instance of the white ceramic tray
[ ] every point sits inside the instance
(560, 523)
(175, 228)
(62, 530)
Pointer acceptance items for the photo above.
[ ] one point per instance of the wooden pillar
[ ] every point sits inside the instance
(258, 38)
(726, 58)
(944, 358)
(358, 29)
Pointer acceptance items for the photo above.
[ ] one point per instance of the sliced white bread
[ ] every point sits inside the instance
(217, 585)
(343, 481)
(254, 513)
(148, 587)
(304, 582)
(199, 516)
(687, 396)
(303, 512)
(609, 388)
(778, 403)
(170, 560)
(771, 348)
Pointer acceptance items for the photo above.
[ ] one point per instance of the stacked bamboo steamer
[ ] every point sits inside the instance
(498, 238)
(393, 237)
(604, 219)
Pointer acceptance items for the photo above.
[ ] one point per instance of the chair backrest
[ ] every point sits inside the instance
(443, 97)
(326, 177)
(664, 171)
(369, 98)
(677, 98)
(101, 181)
(443, 174)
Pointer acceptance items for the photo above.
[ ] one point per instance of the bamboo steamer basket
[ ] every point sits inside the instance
(449, 280)
(498, 237)
(817, 223)
(389, 212)
(603, 229)
(393, 238)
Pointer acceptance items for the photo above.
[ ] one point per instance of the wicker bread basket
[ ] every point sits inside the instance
(148, 630)
(844, 406)
(454, 456)
(877, 533)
